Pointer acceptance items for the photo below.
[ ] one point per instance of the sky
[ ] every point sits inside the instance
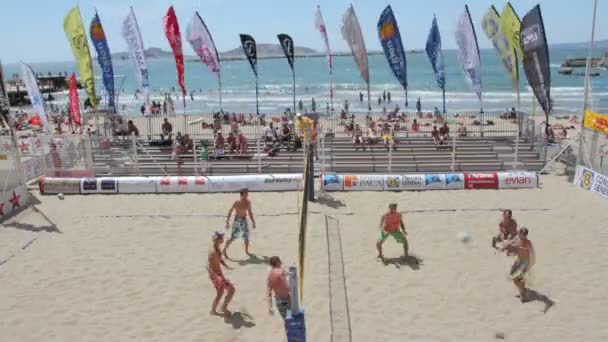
(32, 30)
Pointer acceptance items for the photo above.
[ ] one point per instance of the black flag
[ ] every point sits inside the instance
(250, 51)
(536, 57)
(287, 46)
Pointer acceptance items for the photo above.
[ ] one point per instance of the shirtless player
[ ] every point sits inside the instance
(240, 228)
(507, 228)
(221, 284)
(520, 270)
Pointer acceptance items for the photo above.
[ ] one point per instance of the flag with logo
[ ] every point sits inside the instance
(435, 54)
(390, 38)
(468, 50)
(351, 32)
(510, 27)
(104, 58)
(502, 45)
(77, 37)
(250, 50)
(174, 37)
(320, 26)
(536, 57)
(202, 43)
(287, 46)
(33, 91)
(132, 36)
(74, 104)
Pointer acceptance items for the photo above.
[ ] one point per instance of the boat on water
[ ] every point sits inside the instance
(566, 70)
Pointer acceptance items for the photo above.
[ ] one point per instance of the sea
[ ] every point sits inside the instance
(312, 81)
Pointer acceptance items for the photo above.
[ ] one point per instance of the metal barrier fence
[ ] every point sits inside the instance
(594, 151)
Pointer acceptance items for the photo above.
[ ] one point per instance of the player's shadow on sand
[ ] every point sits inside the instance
(534, 296)
(329, 201)
(411, 260)
(253, 260)
(239, 320)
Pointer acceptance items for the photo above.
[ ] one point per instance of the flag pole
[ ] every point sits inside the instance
(257, 105)
(369, 98)
(293, 77)
(219, 87)
(331, 89)
(406, 103)
(443, 94)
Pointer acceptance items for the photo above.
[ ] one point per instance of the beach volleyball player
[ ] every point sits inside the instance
(520, 270)
(216, 275)
(240, 227)
(390, 223)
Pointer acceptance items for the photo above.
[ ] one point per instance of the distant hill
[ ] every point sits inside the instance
(149, 53)
(267, 50)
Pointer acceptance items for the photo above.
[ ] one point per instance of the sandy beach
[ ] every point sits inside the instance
(132, 268)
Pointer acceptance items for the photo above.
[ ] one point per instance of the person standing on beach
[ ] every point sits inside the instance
(346, 105)
(313, 105)
(360, 97)
(216, 275)
(277, 283)
(388, 96)
(507, 228)
(418, 106)
(520, 270)
(384, 95)
(240, 227)
(389, 226)
(300, 105)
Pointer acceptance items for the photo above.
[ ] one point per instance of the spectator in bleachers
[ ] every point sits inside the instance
(187, 142)
(231, 141)
(372, 133)
(462, 130)
(167, 130)
(285, 134)
(304, 126)
(218, 145)
(121, 128)
(270, 133)
(388, 136)
(444, 133)
(234, 127)
(435, 135)
(132, 129)
(241, 144)
(357, 137)
(415, 126)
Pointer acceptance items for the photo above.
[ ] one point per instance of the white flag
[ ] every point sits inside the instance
(320, 26)
(132, 35)
(202, 43)
(31, 84)
(468, 51)
(351, 32)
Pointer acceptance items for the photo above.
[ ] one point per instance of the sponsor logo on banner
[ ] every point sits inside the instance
(592, 181)
(363, 182)
(481, 180)
(454, 181)
(404, 182)
(587, 179)
(433, 181)
(331, 179)
(517, 180)
(108, 184)
(89, 184)
(280, 180)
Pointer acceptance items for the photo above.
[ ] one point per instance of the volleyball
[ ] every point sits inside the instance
(464, 237)
(60, 196)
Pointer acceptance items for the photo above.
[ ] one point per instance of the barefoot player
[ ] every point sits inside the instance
(389, 226)
(240, 228)
(507, 228)
(524, 250)
(221, 284)
(277, 284)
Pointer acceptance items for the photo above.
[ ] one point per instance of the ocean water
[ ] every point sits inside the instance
(275, 84)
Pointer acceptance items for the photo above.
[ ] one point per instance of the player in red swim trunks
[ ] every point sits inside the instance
(221, 284)
(389, 226)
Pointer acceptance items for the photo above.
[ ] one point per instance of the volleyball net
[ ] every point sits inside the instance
(307, 184)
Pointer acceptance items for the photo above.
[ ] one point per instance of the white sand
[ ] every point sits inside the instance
(118, 273)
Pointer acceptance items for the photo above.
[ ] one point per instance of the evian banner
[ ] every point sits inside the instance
(517, 180)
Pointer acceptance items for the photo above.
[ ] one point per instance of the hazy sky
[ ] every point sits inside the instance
(32, 30)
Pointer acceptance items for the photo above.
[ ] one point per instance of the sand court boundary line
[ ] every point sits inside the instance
(23, 248)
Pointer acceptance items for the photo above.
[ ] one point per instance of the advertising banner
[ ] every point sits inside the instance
(404, 182)
(487, 180)
(363, 183)
(517, 180)
(98, 185)
(434, 181)
(271, 182)
(50, 186)
(332, 182)
(185, 184)
(454, 181)
(136, 185)
(591, 181)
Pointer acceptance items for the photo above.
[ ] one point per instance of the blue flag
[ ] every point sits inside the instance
(104, 58)
(388, 31)
(433, 50)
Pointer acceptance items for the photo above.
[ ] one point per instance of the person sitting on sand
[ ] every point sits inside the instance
(240, 228)
(219, 281)
(507, 228)
(218, 145)
(520, 270)
(444, 133)
(435, 135)
(357, 137)
(277, 283)
(389, 226)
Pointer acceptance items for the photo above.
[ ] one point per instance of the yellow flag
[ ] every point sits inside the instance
(509, 25)
(596, 121)
(74, 31)
(503, 46)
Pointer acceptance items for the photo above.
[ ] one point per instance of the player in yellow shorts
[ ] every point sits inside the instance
(389, 226)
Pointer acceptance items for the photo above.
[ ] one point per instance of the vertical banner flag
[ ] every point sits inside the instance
(502, 45)
(4, 103)
(74, 101)
(250, 50)
(351, 32)
(31, 84)
(468, 51)
(435, 54)
(104, 58)
(510, 26)
(287, 46)
(175, 40)
(390, 38)
(132, 36)
(320, 26)
(74, 31)
(536, 58)
(202, 43)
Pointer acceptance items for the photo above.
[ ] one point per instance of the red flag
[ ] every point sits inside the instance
(175, 40)
(74, 101)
